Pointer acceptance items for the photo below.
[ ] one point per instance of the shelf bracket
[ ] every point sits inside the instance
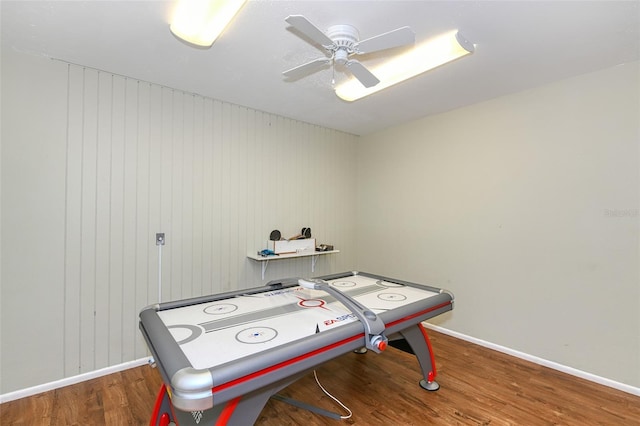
(264, 267)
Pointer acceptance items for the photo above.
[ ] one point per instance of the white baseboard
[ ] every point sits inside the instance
(34, 390)
(536, 360)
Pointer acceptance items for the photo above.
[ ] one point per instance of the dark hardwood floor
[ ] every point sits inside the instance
(478, 387)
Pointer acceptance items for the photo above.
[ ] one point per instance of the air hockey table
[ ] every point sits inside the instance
(221, 357)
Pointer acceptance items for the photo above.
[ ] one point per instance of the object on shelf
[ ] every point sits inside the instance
(324, 247)
(275, 235)
(304, 233)
(292, 246)
(266, 252)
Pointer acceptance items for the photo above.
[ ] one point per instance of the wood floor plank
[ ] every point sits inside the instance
(141, 387)
(115, 400)
(28, 411)
(77, 405)
(478, 387)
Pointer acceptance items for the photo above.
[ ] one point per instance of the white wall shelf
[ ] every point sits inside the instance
(312, 254)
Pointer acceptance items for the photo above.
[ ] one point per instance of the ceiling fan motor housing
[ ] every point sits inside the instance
(344, 37)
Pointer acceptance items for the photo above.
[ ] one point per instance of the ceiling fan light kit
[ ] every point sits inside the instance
(342, 41)
(422, 58)
(200, 22)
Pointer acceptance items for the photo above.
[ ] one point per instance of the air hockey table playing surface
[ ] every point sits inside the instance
(216, 352)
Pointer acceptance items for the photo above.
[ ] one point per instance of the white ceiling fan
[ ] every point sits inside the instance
(341, 42)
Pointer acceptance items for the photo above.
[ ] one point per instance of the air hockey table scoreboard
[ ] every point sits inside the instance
(221, 357)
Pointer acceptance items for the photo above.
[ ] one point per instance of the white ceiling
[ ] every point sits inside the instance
(519, 45)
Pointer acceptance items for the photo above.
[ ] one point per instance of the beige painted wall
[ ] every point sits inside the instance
(526, 207)
(94, 164)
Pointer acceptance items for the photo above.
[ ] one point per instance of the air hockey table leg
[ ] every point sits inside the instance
(418, 339)
(162, 411)
(241, 411)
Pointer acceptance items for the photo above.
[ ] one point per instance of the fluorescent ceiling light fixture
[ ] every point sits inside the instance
(200, 22)
(422, 58)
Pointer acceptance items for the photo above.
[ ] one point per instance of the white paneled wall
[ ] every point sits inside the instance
(214, 177)
(139, 159)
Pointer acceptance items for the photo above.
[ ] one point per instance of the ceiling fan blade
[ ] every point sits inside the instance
(398, 37)
(306, 69)
(363, 75)
(301, 24)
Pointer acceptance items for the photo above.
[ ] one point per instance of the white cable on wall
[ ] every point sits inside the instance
(160, 243)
